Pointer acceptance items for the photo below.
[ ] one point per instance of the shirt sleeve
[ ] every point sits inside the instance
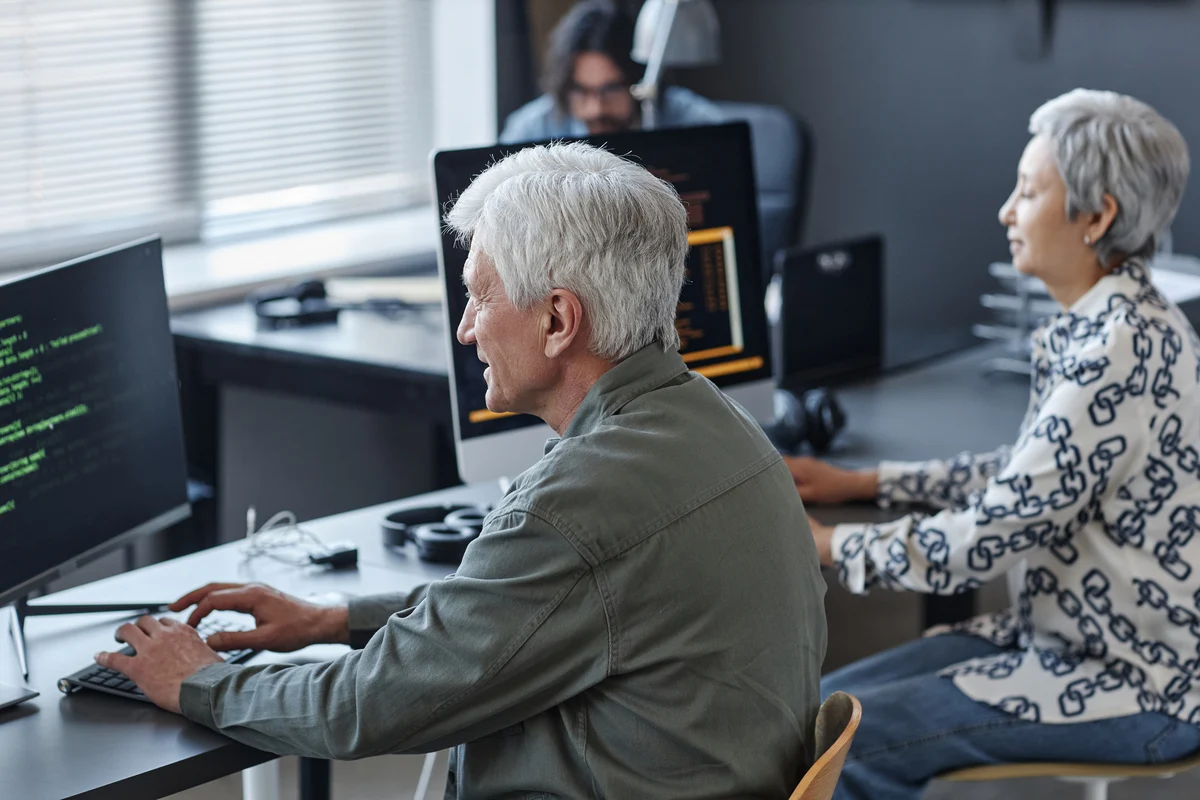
(683, 107)
(1064, 462)
(530, 122)
(940, 483)
(368, 614)
(514, 130)
(518, 629)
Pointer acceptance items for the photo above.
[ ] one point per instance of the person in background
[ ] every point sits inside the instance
(1095, 509)
(587, 78)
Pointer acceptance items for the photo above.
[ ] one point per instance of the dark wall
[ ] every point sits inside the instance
(920, 110)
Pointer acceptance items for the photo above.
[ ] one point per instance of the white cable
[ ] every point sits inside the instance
(280, 533)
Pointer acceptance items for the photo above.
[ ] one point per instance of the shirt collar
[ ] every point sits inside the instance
(641, 372)
(1121, 287)
(1129, 279)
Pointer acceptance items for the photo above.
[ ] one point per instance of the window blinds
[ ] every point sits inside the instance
(312, 108)
(88, 122)
(206, 117)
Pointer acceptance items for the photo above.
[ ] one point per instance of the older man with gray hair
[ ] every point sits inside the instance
(640, 617)
(1093, 513)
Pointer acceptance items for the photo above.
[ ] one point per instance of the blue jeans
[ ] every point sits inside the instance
(917, 725)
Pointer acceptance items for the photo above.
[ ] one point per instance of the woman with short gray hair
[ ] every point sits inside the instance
(1095, 510)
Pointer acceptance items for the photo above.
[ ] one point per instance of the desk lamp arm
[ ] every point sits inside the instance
(647, 90)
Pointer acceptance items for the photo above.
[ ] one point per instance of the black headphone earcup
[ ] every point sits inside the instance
(816, 418)
(470, 517)
(398, 526)
(824, 418)
(309, 290)
(442, 543)
(787, 432)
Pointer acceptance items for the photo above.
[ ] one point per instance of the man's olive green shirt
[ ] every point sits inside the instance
(642, 617)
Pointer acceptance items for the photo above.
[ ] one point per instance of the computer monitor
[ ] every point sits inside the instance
(721, 319)
(91, 440)
(831, 320)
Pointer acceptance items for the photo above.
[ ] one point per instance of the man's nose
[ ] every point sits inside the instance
(466, 325)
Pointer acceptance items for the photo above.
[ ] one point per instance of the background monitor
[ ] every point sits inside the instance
(721, 318)
(91, 441)
(831, 323)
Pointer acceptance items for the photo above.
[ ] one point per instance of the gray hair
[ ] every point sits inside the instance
(576, 217)
(1110, 143)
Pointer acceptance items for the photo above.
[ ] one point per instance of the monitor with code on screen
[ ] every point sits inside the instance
(91, 439)
(721, 320)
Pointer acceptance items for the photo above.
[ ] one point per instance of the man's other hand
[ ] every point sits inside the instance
(284, 623)
(168, 652)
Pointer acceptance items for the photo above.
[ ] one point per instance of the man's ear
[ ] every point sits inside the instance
(563, 322)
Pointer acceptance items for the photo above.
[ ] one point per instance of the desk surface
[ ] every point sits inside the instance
(936, 409)
(415, 342)
(95, 746)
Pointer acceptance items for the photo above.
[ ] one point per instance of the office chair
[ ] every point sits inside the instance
(783, 156)
(1094, 777)
(837, 722)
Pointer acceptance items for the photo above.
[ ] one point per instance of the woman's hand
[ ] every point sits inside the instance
(823, 537)
(819, 482)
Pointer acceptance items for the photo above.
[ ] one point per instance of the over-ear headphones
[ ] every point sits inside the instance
(441, 533)
(308, 303)
(816, 417)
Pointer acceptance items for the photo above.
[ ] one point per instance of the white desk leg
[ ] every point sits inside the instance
(432, 785)
(262, 782)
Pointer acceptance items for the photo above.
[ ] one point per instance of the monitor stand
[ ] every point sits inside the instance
(10, 695)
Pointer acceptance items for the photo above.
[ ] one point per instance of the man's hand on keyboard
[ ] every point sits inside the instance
(284, 623)
(167, 653)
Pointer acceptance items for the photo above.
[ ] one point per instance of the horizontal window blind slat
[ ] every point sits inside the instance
(319, 72)
(53, 136)
(309, 174)
(96, 166)
(249, 95)
(274, 154)
(346, 127)
(224, 32)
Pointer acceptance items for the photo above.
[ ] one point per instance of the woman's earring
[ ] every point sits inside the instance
(1087, 240)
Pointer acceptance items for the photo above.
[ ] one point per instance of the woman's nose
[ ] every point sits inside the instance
(1006, 212)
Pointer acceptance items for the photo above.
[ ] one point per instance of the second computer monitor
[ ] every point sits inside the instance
(721, 320)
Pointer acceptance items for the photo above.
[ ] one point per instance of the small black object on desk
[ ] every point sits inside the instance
(829, 331)
(813, 418)
(308, 303)
(441, 533)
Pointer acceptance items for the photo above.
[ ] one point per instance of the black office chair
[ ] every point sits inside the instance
(783, 156)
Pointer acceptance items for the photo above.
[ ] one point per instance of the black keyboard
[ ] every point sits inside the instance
(103, 679)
